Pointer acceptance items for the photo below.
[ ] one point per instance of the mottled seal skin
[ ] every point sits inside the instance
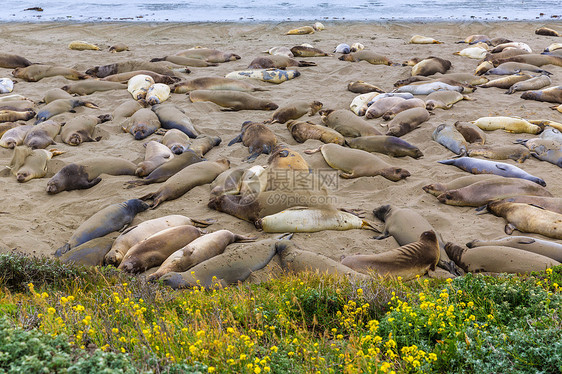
(527, 218)
(295, 110)
(214, 83)
(471, 132)
(550, 95)
(111, 218)
(9, 61)
(406, 261)
(90, 86)
(209, 55)
(482, 192)
(225, 269)
(81, 129)
(201, 249)
(83, 175)
(389, 145)
(143, 123)
(172, 117)
(61, 106)
(193, 175)
(539, 246)
(347, 123)
(42, 135)
(498, 259)
(155, 249)
(407, 121)
(477, 166)
(257, 137)
(232, 100)
(36, 72)
(302, 131)
(91, 253)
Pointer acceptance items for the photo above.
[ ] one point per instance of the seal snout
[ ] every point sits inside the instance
(22, 177)
(381, 212)
(173, 280)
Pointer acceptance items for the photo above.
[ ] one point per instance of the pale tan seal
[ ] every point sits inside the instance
(203, 144)
(126, 109)
(302, 131)
(444, 99)
(506, 82)
(514, 152)
(209, 55)
(14, 115)
(177, 141)
(528, 218)
(55, 94)
(404, 105)
(185, 61)
(283, 157)
(214, 83)
(60, 106)
(27, 163)
(430, 66)
(437, 189)
(15, 136)
(381, 106)
(362, 87)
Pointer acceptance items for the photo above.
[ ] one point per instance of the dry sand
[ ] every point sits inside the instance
(34, 222)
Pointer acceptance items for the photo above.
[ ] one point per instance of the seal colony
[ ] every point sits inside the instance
(173, 155)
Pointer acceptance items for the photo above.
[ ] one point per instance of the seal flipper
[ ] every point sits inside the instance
(509, 228)
(238, 139)
(62, 250)
(526, 241)
(251, 158)
(384, 235)
(203, 222)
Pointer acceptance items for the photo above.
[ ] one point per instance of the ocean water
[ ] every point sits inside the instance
(279, 10)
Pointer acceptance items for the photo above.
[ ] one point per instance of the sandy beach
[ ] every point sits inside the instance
(37, 223)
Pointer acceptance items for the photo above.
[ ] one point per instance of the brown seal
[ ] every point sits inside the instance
(119, 47)
(532, 59)
(361, 87)
(61, 106)
(257, 137)
(90, 253)
(302, 131)
(547, 31)
(295, 110)
(389, 145)
(128, 66)
(506, 82)
(471, 132)
(213, 83)
(209, 55)
(9, 61)
(437, 189)
(407, 121)
(126, 109)
(42, 135)
(203, 144)
(347, 123)
(15, 136)
(81, 129)
(305, 51)
(185, 61)
(232, 100)
(515, 152)
(15, 115)
(369, 56)
(55, 94)
(34, 73)
(90, 86)
(430, 66)
(406, 261)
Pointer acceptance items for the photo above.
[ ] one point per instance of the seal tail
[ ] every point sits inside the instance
(243, 238)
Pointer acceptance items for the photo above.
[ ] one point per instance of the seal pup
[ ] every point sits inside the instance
(172, 117)
(177, 141)
(301, 30)
(155, 249)
(552, 134)
(527, 218)
(498, 259)
(437, 189)
(550, 95)
(539, 246)
(126, 109)
(302, 131)
(284, 157)
(136, 234)
(471, 132)
(15, 136)
(532, 59)
(125, 77)
(36, 72)
(380, 107)
(119, 47)
(61, 106)
(85, 174)
(209, 55)
(79, 45)
(369, 56)
(257, 137)
(356, 163)
(406, 261)
(109, 219)
(143, 123)
(90, 86)
(477, 166)
(506, 82)
(509, 124)
(305, 51)
(191, 176)
(444, 99)
(507, 45)
(157, 93)
(347, 124)
(511, 67)
(81, 129)
(232, 100)
(402, 106)
(155, 155)
(199, 250)
(139, 85)
(407, 121)
(295, 110)
(213, 83)
(388, 145)
(275, 76)
(42, 135)
(8, 126)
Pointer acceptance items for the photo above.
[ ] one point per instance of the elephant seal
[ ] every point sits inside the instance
(477, 166)
(156, 154)
(507, 45)
(471, 132)
(61, 106)
(552, 134)
(42, 135)
(295, 110)
(79, 45)
(542, 247)
(420, 39)
(157, 78)
(275, 76)
(427, 87)
(498, 259)
(155, 249)
(369, 56)
(477, 52)
(15, 136)
(406, 261)
(257, 137)
(36, 72)
(14, 115)
(444, 99)
(277, 62)
(389, 145)
(177, 141)
(4, 127)
(532, 59)
(301, 31)
(27, 163)
(127, 109)
(550, 95)
(482, 192)
(191, 176)
(380, 107)
(128, 66)
(514, 152)
(213, 83)
(111, 218)
(437, 189)
(55, 94)
(361, 87)
(406, 121)
(404, 105)
(227, 268)
(511, 67)
(347, 123)
(305, 51)
(119, 47)
(90, 253)
(172, 117)
(143, 123)
(138, 87)
(185, 61)
(209, 55)
(535, 83)
(199, 250)
(157, 94)
(506, 82)
(81, 129)
(163, 172)
(448, 136)
(9, 61)
(296, 260)
(282, 157)
(302, 131)
(509, 124)
(544, 149)
(136, 234)
(356, 163)
(430, 66)
(527, 218)
(90, 86)
(547, 31)
(554, 204)
(85, 174)
(232, 100)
